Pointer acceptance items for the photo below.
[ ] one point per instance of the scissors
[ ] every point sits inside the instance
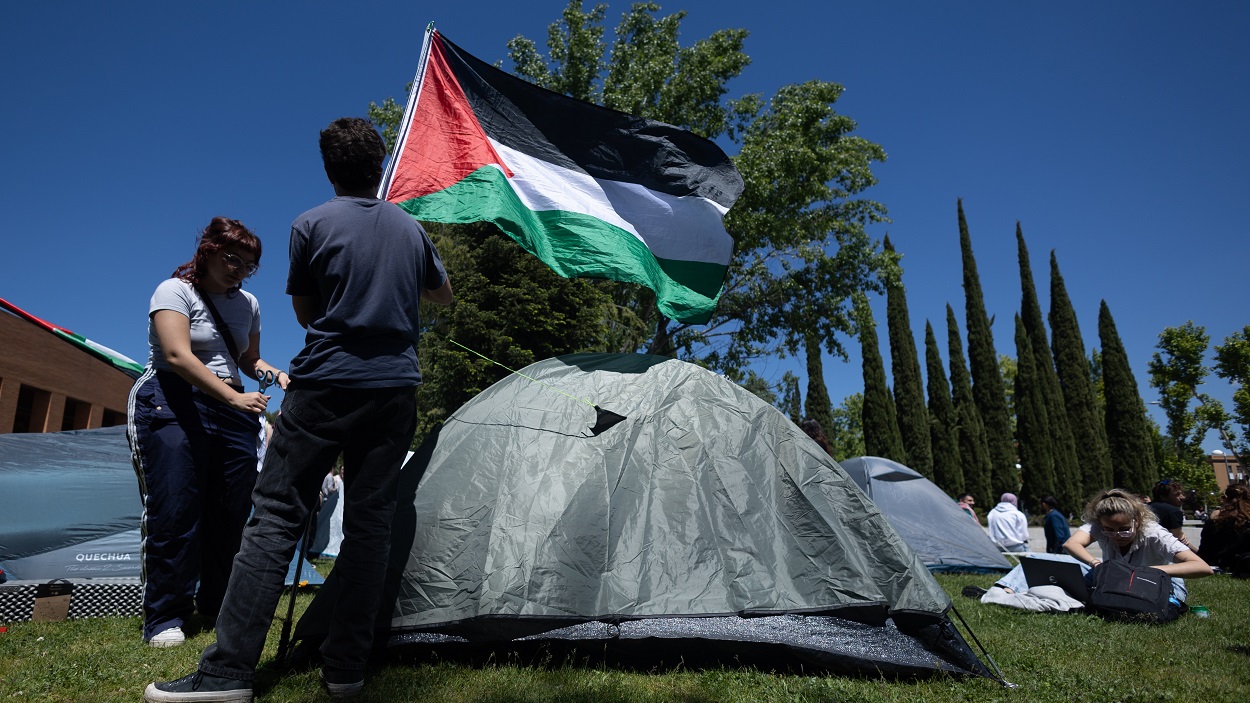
(267, 379)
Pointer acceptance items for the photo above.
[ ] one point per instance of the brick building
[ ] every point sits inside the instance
(1227, 469)
(53, 380)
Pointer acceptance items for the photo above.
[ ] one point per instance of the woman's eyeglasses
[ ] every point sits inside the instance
(237, 264)
(1121, 534)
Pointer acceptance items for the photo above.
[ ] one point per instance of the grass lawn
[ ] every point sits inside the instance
(1061, 658)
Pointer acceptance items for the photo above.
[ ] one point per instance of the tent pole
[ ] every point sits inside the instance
(1002, 679)
(285, 639)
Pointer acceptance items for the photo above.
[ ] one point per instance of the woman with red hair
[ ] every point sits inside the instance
(193, 429)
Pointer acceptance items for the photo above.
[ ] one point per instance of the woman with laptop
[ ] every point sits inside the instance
(1124, 528)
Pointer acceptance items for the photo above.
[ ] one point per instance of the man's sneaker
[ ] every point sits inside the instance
(973, 591)
(169, 637)
(340, 683)
(199, 688)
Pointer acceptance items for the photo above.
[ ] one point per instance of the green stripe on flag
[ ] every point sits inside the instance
(573, 244)
(94, 349)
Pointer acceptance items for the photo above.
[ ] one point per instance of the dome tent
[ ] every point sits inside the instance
(928, 520)
(71, 508)
(703, 516)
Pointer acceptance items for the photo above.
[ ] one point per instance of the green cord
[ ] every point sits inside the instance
(557, 390)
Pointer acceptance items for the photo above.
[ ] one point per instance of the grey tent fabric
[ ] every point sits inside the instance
(930, 522)
(705, 514)
(70, 507)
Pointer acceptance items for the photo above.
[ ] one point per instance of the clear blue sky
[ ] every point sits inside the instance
(1115, 132)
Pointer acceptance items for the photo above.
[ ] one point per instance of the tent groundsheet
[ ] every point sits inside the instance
(704, 520)
(930, 522)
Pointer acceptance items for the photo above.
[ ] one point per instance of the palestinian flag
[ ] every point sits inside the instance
(119, 361)
(590, 191)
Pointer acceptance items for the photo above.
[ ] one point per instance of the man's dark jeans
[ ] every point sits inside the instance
(373, 428)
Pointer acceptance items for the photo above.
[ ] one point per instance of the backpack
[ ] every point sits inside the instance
(1132, 593)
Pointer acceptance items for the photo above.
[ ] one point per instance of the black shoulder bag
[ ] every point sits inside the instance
(1132, 593)
(222, 328)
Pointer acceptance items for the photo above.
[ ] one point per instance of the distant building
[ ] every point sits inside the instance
(1227, 469)
(53, 380)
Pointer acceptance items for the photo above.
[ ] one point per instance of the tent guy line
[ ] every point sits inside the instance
(604, 419)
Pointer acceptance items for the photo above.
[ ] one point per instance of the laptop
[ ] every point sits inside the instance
(1049, 572)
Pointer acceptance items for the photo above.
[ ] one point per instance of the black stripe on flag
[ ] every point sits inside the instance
(603, 143)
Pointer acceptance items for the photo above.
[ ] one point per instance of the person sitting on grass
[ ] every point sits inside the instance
(1054, 525)
(1126, 530)
(967, 504)
(1225, 538)
(1166, 498)
(1009, 529)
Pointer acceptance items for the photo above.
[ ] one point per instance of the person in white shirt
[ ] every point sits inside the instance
(1008, 527)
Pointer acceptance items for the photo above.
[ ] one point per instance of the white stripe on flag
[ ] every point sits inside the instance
(685, 228)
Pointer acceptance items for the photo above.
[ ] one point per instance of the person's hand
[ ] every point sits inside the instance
(283, 379)
(253, 402)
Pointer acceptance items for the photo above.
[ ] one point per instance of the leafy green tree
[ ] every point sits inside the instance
(1072, 368)
(818, 406)
(913, 416)
(1128, 434)
(1232, 362)
(1062, 445)
(973, 450)
(802, 249)
(943, 426)
(760, 388)
(1037, 472)
(846, 431)
(509, 307)
(987, 381)
(1177, 369)
(881, 435)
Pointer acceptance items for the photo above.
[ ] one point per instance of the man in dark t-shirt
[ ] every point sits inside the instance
(359, 267)
(1165, 501)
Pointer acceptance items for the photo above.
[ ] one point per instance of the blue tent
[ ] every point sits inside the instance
(925, 517)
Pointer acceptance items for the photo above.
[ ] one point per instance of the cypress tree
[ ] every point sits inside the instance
(1062, 445)
(1037, 472)
(948, 474)
(973, 453)
(987, 381)
(881, 435)
(1128, 430)
(1072, 367)
(791, 402)
(818, 406)
(913, 417)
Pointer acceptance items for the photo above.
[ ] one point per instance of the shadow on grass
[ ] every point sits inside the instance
(649, 657)
(1242, 649)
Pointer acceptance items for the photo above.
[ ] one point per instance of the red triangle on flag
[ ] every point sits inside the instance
(445, 141)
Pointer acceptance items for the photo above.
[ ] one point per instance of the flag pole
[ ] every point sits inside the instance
(406, 123)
